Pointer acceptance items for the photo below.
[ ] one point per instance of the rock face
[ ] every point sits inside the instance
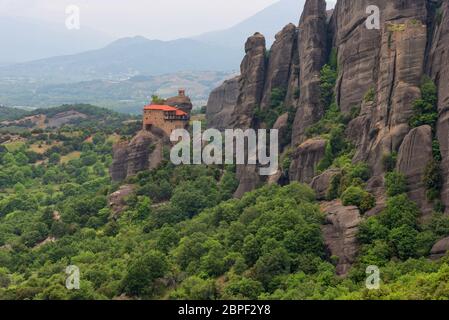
(119, 168)
(143, 152)
(282, 124)
(320, 184)
(438, 68)
(389, 61)
(340, 232)
(414, 156)
(249, 179)
(357, 50)
(221, 104)
(252, 82)
(279, 63)
(440, 249)
(380, 71)
(312, 48)
(251, 87)
(305, 160)
(117, 199)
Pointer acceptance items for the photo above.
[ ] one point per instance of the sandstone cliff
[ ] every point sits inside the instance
(221, 104)
(313, 50)
(251, 82)
(390, 63)
(379, 77)
(143, 152)
(279, 63)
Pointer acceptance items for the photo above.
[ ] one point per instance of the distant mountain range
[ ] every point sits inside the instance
(71, 77)
(25, 39)
(129, 57)
(217, 51)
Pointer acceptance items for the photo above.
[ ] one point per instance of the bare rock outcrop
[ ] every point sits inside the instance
(360, 133)
(117, 199)
(252, 82)
(400, 74)
(279, 63)
(282, 124)
(305, 160)
(119, 168)
(322, 182)
(414, 156)
(143, 152)
(221, 104)
(249, 179)
(312, 49)
(62, 118)
(340, 233)
(251, 86)
(358, 50)
(389, 62)
(440, 249)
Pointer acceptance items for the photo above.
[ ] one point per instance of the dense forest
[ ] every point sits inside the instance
(180, 235)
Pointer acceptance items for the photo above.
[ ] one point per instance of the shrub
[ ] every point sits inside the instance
(439, 225)
(370, 95)
(276, 108)
(368, 202)
(399, 211)
(326, 162)
(371, 230)
(436, 150)
(195, 288)
(360, 171)
(425, 109)
(395, 183)
(334, 147)
(389, 161)
(424, 243)
(403, 239)
(433, 180)
(333, 191)
(328, 80)
(358, 197)
(287, 161)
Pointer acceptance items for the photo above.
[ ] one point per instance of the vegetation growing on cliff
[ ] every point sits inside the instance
(396, 232)
(426, 113)
(179, 237)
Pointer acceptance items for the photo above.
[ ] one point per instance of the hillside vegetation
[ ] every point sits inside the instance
(179, 235)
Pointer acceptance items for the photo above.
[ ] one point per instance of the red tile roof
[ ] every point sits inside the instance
(165, 108)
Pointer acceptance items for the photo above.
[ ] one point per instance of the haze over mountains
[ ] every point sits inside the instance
(64, 57)
(60, 53)
(129, 57)
(25, 39)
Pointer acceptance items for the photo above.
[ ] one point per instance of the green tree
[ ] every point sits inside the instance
(142, 273)
(399, 211)
(395, 183)
(403, 239)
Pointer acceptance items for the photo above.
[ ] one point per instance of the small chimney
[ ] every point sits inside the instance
(182, 92)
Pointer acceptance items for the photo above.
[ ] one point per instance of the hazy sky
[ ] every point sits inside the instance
(155, 19)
